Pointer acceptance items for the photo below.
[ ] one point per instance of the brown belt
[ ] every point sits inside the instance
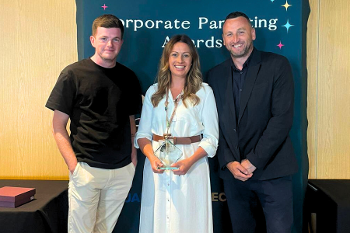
(179, 140)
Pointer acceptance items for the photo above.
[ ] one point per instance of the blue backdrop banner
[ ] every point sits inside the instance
(280, 28)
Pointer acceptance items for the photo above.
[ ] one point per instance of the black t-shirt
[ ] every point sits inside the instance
(99, 102)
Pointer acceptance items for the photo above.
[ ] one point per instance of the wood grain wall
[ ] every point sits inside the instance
(39, 40)
(328, 111)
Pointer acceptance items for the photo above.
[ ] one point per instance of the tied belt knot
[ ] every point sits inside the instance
(178, 140)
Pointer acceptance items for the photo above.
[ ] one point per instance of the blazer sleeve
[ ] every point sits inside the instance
(280, 123)
(224, 153)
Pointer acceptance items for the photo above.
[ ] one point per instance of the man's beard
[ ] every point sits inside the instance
(245, 52)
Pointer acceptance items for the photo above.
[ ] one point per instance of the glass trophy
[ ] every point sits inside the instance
(168, 153)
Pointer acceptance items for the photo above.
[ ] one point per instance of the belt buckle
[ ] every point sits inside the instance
(169, 138)
(167, 135)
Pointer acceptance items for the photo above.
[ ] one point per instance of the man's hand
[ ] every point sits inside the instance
(59, 131)
(248, 165)
(134, 157)
(133, 132)
(72, 166)
(238, 171)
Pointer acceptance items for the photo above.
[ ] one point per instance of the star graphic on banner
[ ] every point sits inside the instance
(272, 0)
(287, 25)
(104, 7)
(280, 45)
(286, 5)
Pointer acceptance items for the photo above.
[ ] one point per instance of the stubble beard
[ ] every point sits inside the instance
(244, 53)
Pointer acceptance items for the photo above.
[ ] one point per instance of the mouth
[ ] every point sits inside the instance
(237, 45)
(179, 67)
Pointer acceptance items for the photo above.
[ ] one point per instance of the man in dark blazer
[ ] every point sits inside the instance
(254, 93)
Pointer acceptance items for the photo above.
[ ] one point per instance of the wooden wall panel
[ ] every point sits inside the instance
(38, 40)
(329, 91)
(333, 160)
(312, 64)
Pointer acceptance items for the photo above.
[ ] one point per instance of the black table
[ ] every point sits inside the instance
(330, 201)
(48, 212)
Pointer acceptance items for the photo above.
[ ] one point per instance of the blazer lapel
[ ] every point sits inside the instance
(229, 96)
(226, 94)
(250, 78)
(228, 120)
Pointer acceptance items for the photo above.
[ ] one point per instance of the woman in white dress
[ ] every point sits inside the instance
(181, 106)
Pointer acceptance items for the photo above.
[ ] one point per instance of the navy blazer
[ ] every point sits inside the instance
(261, 132)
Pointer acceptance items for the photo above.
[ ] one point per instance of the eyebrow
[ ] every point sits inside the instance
(109, 37)
(173, 51)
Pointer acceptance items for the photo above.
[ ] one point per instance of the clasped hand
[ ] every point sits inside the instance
(241, 171)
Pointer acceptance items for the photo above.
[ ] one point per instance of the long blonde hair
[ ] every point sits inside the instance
(193, 80)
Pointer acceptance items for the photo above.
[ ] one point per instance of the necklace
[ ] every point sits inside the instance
(176, 103)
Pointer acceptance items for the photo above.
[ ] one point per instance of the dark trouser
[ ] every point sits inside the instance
(245, 199)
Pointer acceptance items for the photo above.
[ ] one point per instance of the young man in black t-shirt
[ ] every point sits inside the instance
(100, 97)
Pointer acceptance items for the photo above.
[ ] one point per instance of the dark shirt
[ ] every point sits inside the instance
(99, 102)
(238, 78)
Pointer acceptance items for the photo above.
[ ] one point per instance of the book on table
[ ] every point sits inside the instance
(15, 196)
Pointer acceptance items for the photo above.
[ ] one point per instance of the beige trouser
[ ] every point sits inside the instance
(96, 197)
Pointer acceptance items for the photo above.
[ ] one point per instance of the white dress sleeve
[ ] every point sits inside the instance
(209, 118)
(145, 125)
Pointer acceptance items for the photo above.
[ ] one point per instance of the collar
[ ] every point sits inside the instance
(246, 63)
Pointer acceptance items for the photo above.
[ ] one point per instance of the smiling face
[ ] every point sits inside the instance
(238, 36)
(180, 60)
(107, 43)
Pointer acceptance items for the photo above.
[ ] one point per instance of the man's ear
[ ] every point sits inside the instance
(223, 40)
(92, 40)
(253, 34)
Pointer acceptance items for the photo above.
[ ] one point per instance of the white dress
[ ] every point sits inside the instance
(172, 203)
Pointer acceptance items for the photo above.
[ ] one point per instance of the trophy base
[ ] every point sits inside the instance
(168, 168)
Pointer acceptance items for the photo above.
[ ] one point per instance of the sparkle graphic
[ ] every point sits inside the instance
(280, 45)
(272, 0)
(288, 25)
(104, 7)
(286, 5)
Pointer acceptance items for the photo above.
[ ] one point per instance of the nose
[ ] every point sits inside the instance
(235, 38)
(179, 59)
(110, 43)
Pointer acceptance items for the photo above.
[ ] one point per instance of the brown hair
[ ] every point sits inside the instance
(193, 79)
(107, 21)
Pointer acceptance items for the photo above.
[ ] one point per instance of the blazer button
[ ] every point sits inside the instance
(234, 130)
